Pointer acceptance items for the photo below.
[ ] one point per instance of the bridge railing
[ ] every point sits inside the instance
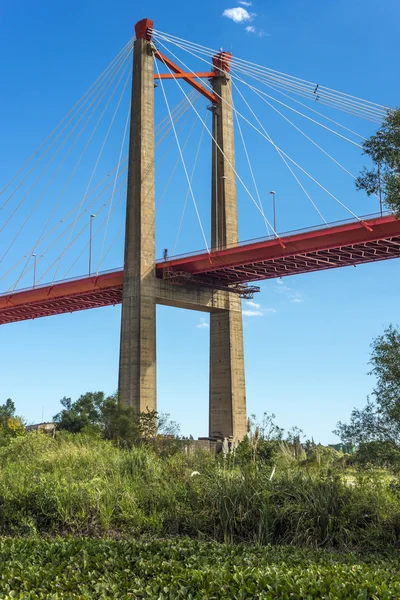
(282, 235)
(59, 281)
(188, 254)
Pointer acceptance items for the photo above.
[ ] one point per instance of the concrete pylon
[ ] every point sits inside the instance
(227, 416)
(142, 290)
(137, 369)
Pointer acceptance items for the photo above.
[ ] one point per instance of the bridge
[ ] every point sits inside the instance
(215, 278)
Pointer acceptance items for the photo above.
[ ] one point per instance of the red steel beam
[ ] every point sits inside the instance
(206, 75)
(63, 297)
(340, 245)
(186, 77)
(347, 234)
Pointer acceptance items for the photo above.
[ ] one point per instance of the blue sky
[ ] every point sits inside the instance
(307, 341)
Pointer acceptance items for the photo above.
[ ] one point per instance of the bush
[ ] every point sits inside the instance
(188, 569)
(80, 484)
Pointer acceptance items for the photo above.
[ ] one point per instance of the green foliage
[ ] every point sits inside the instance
(99, 415)
(187, 569)
(384, 454)
(11, 426)
(379, 420)
(78, 484)
(86, 411)
(384, 150)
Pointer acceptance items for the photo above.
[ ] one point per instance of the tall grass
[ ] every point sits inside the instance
(85, 486)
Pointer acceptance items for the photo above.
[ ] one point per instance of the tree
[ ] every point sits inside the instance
(84, 412)
(379, 420)
(384, 150)
(104, 415)
(10, 425)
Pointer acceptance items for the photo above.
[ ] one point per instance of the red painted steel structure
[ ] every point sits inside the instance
(341, 245)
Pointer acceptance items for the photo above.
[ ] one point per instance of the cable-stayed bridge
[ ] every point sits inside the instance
(81, 193)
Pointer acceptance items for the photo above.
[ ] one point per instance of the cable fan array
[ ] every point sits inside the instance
(244, 74)
(66, 204)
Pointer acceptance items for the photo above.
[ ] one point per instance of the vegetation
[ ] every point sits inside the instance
(383, 148)
(379, 422)
(11, 426)
(99, 415)
(77, 484)
(262, 519)
(188, 569)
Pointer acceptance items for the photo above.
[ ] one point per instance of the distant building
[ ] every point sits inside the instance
(49, 428)
(345, 448)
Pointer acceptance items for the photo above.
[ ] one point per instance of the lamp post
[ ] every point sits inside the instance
(274, 209)
(90, 242)
(380, 189)
(379, 182)
(34, 269)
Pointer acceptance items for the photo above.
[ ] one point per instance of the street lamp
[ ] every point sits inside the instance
(274, 208)
(34, 269)
(90, 242)
(379, 182)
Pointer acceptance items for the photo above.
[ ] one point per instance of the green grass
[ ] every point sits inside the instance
(187, 569)
(79, 486)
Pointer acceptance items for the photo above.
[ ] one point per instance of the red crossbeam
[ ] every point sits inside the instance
(186, 77)
(337, 246)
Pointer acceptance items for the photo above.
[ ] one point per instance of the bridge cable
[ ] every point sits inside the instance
(316, 112)
(39, 199)
(300, 130)
(102, 87)
(77, 236)
(280, 150)
(187, 192)
(49, 163)
(100, 153)
(181, 155)
(115, 179)
(98, 196)
(56, 226)
(122, 196)
(216, 143)
(345, 101)
(261, 93)
(250, 167)
(81, 102)
(287, 79)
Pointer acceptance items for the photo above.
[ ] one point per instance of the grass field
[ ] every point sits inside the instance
(187, 569)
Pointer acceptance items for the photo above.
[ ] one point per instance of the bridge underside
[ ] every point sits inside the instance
(317, 250)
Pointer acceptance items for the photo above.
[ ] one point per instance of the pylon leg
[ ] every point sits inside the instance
(227, 383)
(227, 415)
(137, 370)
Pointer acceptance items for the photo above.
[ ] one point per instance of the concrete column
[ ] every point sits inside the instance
(227, 415)
(137, 368)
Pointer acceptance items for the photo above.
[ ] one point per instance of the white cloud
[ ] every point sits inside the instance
(243, 3)
(259, 312)
(237, 14)
(252, 313)
(252, 304)
(250, 29)
(203, 324)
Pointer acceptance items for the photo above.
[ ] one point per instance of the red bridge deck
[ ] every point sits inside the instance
(313, 250)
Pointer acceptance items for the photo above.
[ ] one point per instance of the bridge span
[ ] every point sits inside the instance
(339, 245)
